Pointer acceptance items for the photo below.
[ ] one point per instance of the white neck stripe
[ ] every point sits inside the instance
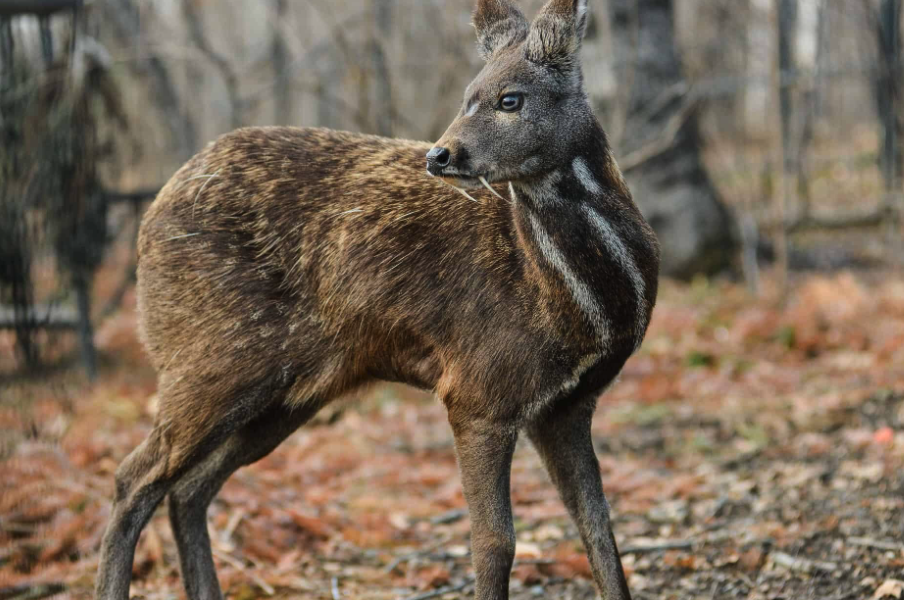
(620, 253)
(582, 295)
(585, 176)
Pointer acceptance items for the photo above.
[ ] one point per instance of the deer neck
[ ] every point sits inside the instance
(587, 242)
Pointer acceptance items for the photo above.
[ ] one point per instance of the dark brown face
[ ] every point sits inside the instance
(520, 114)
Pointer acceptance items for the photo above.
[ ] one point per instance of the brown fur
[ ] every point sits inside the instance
(281, 268)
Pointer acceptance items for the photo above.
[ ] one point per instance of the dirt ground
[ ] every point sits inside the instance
(753, 448)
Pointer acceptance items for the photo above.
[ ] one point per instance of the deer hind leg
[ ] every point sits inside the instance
(564, 443)
(141, 483)
(190, 497)
(177, 443)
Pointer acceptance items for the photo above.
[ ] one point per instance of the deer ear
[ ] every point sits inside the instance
(556, 33)
(499, 24)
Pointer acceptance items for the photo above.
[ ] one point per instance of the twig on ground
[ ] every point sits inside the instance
(801, 565)
(534, 561)
(439, 592)
(20, 528)
(417, 553)
(747, 580)
(234, 562)
(32, 592)
(716, 587)
(449, 517)
(792, 559)
(234, 519)
(446, 557)
(656, 547)
(876, 544)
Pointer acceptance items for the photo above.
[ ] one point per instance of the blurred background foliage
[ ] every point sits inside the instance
(751, 131)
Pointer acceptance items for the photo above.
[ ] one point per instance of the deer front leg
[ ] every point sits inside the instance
(563, 441)
(485, 459)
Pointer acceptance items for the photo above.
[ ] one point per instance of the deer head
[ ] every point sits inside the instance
(526, 110)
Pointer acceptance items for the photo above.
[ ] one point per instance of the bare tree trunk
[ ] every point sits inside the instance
(16, 282)
(784, 75)
(280, 59)
(809, 109)
(46, 40)
(382, 83)
(661, 147)
(328, 113)
(37, 7)
(7, 45)
(888, 89)
(787, 24)
(82, 284)
(722, 54)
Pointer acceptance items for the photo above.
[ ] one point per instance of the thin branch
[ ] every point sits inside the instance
(9, 8)
(802, 565)
(844, 221)
(230, 79)
(656, 547)
(40, 317)
(126, 26)
(441, 591)
(876, 544)
(264, 92)
(136, 197)
(236, 563)
(417, 553)
(662, 144)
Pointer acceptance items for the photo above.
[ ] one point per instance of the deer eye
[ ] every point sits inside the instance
(511, 102)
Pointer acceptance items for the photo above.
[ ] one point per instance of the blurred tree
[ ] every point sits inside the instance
(279, 60)
(124, 22)
(707, 53)
(221, 62)
(887, 90)
(787, 65)
(785, 81)
(661, 148)
(810, 58)
(383, 86)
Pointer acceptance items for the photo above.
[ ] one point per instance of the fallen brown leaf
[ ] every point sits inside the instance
(527, 574)
(312, 525)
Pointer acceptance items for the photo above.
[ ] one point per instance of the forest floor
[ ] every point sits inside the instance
(753, 449)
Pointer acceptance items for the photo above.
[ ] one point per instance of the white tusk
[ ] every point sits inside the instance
(487, 186)
(466, 194)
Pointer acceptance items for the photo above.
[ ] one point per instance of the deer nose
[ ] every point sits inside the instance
(439, 158)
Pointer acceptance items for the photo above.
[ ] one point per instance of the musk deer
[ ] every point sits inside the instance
(281, 268)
